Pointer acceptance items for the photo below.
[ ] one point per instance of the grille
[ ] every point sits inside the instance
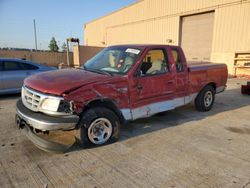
(31, 99)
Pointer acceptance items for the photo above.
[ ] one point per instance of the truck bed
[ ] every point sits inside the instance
(197, 66)
(205, 72)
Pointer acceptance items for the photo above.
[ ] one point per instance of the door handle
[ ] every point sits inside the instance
(170, 82)
(139, 86)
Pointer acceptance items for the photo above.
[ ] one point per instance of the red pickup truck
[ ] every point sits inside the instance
(120, 84)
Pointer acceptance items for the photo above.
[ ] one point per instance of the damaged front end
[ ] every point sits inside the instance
(40, 142)
(40, 128)
(44, 118)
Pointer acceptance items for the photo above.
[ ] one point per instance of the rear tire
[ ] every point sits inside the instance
(205, 99)
(98, 126)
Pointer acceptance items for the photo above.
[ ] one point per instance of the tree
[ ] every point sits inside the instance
(53, 45)
(64, 47)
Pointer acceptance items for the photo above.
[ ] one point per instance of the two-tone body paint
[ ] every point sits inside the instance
(134, 96)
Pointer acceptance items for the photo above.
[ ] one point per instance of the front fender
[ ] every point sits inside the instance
(85, 95)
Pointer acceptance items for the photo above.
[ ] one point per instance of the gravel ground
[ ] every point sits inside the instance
(179, 148)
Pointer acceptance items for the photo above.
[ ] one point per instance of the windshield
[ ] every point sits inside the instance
(118, 60)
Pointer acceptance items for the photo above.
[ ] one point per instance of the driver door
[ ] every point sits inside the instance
(154, 85)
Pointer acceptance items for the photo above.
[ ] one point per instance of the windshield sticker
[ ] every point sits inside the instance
(133, 51)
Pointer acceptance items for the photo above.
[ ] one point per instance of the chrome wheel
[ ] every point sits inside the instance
(208, 98)
(100, 131)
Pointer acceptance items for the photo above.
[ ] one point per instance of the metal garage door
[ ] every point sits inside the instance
(196, 36)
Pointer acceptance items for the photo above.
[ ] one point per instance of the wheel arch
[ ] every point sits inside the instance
(199, 100)
(213, 84)
(107, 103)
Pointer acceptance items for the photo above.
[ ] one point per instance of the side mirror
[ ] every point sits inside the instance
(137, 73)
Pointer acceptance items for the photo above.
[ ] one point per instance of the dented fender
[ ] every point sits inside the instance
(117, 93)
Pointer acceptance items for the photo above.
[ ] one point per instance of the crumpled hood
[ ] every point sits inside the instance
(62, 81)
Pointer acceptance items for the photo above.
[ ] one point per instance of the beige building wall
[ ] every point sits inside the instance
(46, 58)
(84, 53)
(231, 33)
(158, 21)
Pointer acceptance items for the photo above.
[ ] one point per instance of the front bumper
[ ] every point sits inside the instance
(32, 122)
(43, 144)
(45, 122)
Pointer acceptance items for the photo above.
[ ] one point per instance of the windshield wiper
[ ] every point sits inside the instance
(84, 67)
(99, 71)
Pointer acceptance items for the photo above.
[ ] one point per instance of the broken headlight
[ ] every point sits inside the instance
(65, 106)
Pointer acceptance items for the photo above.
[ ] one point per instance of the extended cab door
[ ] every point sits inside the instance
(153, 85)
(182, 80)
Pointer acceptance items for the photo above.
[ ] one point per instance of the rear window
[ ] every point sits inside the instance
(15, 65)
(1, 66)
(11, 65)
(26, 66)
(177, 59)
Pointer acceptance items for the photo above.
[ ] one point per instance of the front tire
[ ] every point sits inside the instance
(99, 126)
(205, 99)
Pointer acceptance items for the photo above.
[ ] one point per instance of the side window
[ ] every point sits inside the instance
(155, 62)
(1, 65)
(26, 66)
(11, 66)
(178, 64)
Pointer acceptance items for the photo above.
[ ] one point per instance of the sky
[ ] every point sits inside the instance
(58, 18)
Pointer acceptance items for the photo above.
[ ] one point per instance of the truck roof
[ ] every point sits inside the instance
(143, 46)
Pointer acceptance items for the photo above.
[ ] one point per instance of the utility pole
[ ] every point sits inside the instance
(68, 52)
(34, 21)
